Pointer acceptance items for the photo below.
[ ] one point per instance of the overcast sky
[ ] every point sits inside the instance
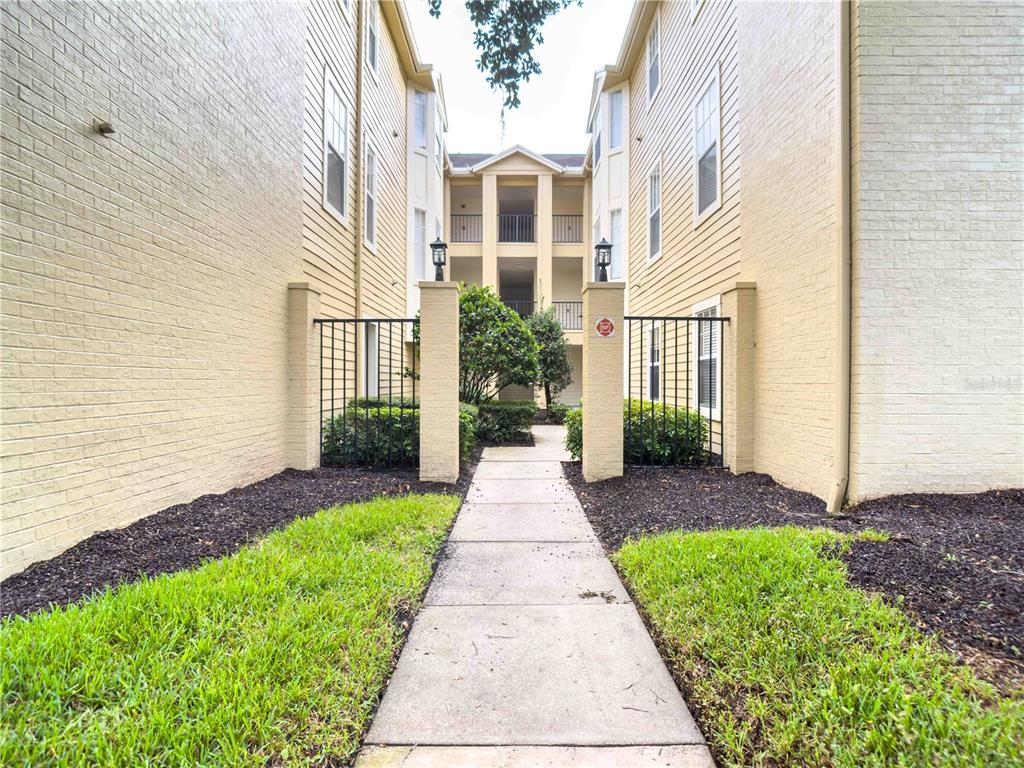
(553, 112)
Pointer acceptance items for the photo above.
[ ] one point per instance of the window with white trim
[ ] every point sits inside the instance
(654, 214)
(419, 119)
(707, 172)
(618, 247)
(615, 120)
(419, 227)
(371, 359)
(371, 196)
(335, 170)
(372, 34)
(654, 361)
(708, 343)
(654, 60)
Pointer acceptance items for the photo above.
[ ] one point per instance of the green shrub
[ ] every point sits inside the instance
(504, 421)
(383, 402)
(653, 433)
(467, 429)
(556, 413)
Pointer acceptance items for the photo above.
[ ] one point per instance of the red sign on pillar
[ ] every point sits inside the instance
(604, 327)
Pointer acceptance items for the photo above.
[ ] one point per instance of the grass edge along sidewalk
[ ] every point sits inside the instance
(784, 663)
(276, 654)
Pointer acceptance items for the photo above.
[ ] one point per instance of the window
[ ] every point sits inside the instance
(371, 196)
(372, 32)
(371, 360)
(707, 173)
(597, 138)
(618, 247)
(654, 214)
(335, 171)
(615, 120)
(654, 60)
(419, 254)
(654, 361)
(419, 119)
(708, 344)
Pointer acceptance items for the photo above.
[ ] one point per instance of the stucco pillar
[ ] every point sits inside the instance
(544, 289)
(489, 246)
(602, 380)
(439, 381)
(303, 447)
(738, 335)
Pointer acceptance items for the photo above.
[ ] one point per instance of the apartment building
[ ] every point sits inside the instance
(519, 222)
(846, 177)
(158, 201)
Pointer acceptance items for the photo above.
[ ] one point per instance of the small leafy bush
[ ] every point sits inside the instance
(467, 429)
(556, 413)
(653, 433)
(505, 421)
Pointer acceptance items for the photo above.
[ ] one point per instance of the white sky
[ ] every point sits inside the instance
(553, 111)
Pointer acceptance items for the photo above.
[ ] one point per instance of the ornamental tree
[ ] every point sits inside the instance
(554, 370)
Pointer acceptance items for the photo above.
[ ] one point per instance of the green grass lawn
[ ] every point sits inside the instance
(787, 664)
(275, 655)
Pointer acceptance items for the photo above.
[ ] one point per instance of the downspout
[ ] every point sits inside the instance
(841, 467)
(360, 149)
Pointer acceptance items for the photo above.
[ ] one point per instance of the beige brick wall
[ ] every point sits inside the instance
(439, 372)
(938, 252)
(144, 282)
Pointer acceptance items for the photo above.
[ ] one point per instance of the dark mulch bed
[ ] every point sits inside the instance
(211, 526)
(956, 562)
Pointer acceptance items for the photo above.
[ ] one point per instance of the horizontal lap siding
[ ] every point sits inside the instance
(144, 274)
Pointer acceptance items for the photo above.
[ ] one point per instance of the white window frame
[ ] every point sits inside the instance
(373, 28)
(654, 31)
(331, 90)
(371, 360)
(419, 99)
(651, 254)
(715, 303)
(612, 145)
(617, 247)
(654, 342)
(370, 193)
(700, 216)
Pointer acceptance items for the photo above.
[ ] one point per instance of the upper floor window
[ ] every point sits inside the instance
(419, 119)
(615, 120)
(707, 173)
(371, 196)
(372, 34)
(335, 148)
(654, 214)
(654, 60)
(618, 246)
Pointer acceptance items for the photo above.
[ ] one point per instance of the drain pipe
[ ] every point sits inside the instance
(841, 466)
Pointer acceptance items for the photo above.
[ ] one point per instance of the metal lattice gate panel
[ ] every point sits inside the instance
(674, 412)
(369, 412)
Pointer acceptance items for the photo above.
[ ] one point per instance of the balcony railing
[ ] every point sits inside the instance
(522, 308)
(567, 229)
(467, 228)
(569, 314)
(517, 228)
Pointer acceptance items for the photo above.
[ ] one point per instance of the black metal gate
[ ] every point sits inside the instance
(369, 414)
(675, 409)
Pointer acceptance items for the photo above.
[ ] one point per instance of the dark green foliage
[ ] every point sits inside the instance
(502, 421)
(653, 433)
(467, 430)
(496, 348)
(553, 353)
(556, 413)
(506, 33)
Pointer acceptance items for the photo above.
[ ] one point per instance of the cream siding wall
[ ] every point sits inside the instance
(144, 282)
(938, 253)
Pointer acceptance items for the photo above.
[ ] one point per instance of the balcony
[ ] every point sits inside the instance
(467, 228)
(522, 308)
(568, 313)
(567, 229)
(517, 228)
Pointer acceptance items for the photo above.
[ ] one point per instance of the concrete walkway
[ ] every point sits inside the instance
(528, 652)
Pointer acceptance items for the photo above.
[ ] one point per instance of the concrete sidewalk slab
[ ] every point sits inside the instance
(521, 522)
(525, 573)
(585, 675)
(548, 470)
(674, 756)
(524, 491)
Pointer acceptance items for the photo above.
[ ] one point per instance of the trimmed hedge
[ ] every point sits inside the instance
(503, 421)
(555, 413)
(653, 433)
(368, 435)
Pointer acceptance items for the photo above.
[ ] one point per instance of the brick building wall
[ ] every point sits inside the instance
(144, 281)
(938, 251)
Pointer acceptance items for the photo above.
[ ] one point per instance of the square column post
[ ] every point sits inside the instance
(544, 280)
(439, 381)
(489, 246)
(303, 447)
(739, 336)
(603, 344)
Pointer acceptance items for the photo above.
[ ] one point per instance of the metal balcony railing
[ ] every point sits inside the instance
(467, 228)
(567, 229)
(522, 308)
(569, 314)
(517, 228)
